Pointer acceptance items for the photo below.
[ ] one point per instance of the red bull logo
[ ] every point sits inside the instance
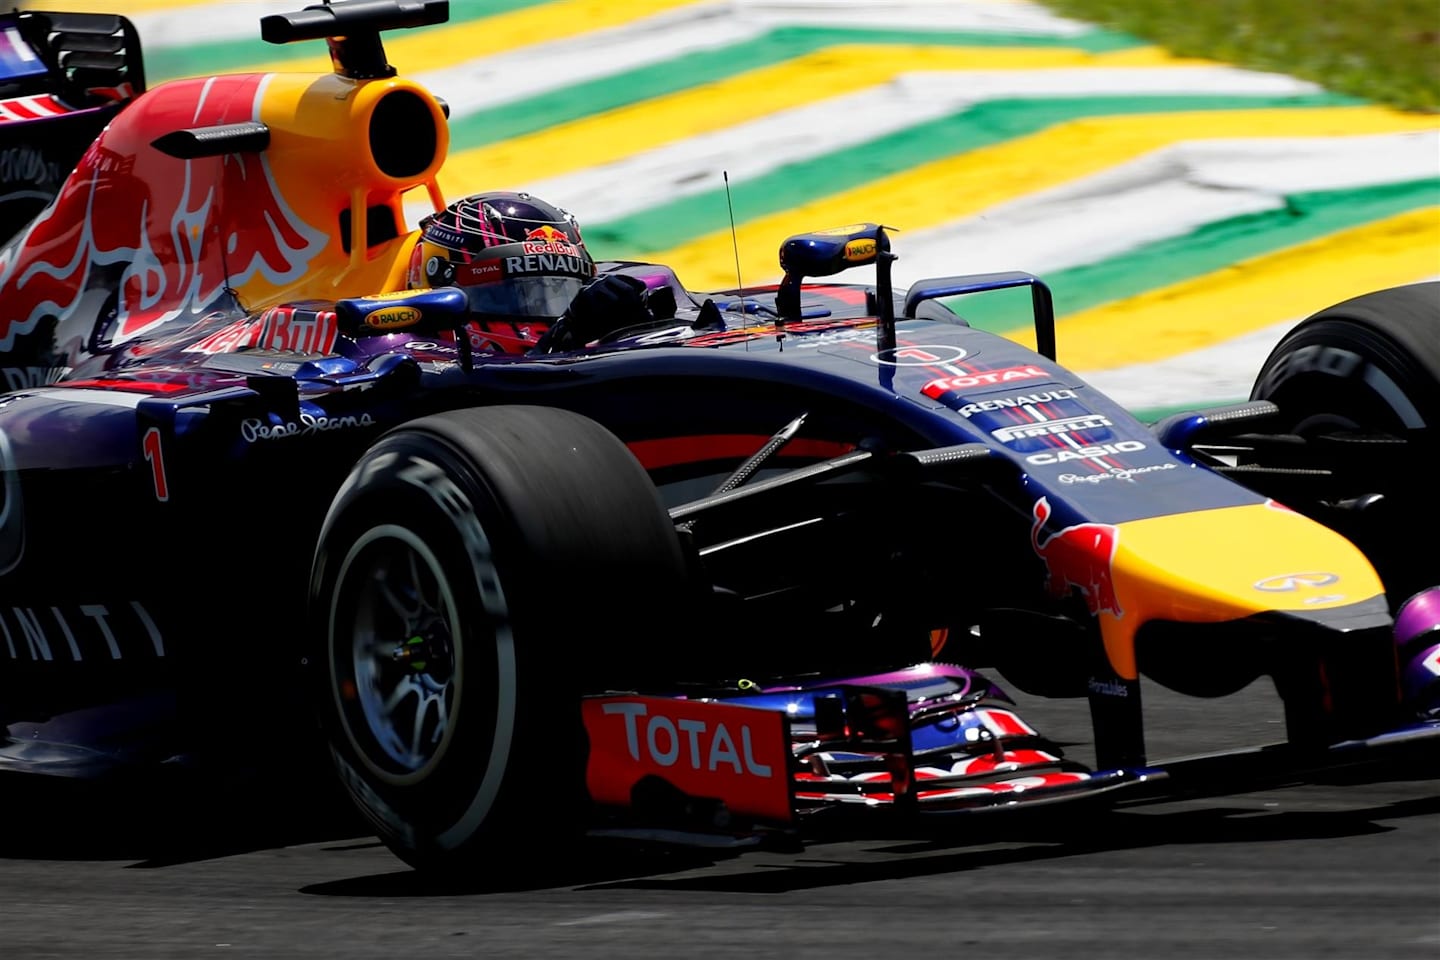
(160, 235)
(548, 239)
(289, 329)
(1078, 556)
(547, 234)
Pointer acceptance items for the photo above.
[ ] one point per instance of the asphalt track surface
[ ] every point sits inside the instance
(1332, 870)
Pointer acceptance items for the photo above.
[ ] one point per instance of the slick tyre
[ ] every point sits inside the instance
(473, 570)
(1372, 362)
(1366, 367)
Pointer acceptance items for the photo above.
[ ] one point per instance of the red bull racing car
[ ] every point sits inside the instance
(723, 572)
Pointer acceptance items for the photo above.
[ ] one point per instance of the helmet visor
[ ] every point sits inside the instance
(528, 279)
(534, 296)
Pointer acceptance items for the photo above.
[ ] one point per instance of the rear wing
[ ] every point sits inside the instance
(63, 76)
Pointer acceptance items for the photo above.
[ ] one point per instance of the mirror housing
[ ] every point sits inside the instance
(827, 252)
(425, 311)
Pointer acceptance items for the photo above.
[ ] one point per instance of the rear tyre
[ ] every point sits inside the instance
(1366, 367)
(474, 569)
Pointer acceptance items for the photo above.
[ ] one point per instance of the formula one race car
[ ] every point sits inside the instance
(711, 572)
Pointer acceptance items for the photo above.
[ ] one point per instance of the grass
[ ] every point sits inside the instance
(1387, 51)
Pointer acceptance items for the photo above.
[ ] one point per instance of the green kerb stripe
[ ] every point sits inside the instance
(235, 56)
(995, 121)
(694, 69)
(680, 73)
(1304, 217)
(1156, 414)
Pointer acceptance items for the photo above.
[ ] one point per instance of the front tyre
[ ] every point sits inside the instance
(464, 574)
(1365, 370)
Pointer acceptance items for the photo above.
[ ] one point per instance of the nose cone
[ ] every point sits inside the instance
(1228, 564)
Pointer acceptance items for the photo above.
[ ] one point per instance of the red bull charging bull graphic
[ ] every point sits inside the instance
(136, 238)
(1079, 556)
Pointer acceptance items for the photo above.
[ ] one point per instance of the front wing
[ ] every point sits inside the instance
(932, 739)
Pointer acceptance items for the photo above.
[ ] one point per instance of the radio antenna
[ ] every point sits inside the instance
(734, 244)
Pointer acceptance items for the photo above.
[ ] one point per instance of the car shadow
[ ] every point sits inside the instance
(1050, 838)
(584, 865)
(854, 854)
(155, 828)
(167, 820)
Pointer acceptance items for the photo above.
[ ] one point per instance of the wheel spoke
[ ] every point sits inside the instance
(442, 718)
(405, 687)
(406, 609)
(401, 652)
(418, 727)
(426, 600)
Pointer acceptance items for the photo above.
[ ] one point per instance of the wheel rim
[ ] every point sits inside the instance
(396, 663)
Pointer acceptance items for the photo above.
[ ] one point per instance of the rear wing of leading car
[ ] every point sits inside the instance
(63, 76)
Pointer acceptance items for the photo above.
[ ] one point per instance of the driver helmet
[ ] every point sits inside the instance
(512, 253)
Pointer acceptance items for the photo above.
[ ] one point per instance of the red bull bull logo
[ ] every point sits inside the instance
(161, 236)
(546, 234)
(1078, 556)
(547, 239)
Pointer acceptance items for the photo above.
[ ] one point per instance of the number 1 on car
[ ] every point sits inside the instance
(150, 444)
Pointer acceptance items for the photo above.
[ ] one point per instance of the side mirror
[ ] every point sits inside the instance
(426, 311)
(827, 252)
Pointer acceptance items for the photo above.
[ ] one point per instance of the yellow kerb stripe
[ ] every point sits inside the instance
(969, 183)
(435, 48)
(1245, 296)
(845, 69)
(128, 8)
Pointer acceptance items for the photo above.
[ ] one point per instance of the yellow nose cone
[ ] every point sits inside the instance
(1225, 564)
